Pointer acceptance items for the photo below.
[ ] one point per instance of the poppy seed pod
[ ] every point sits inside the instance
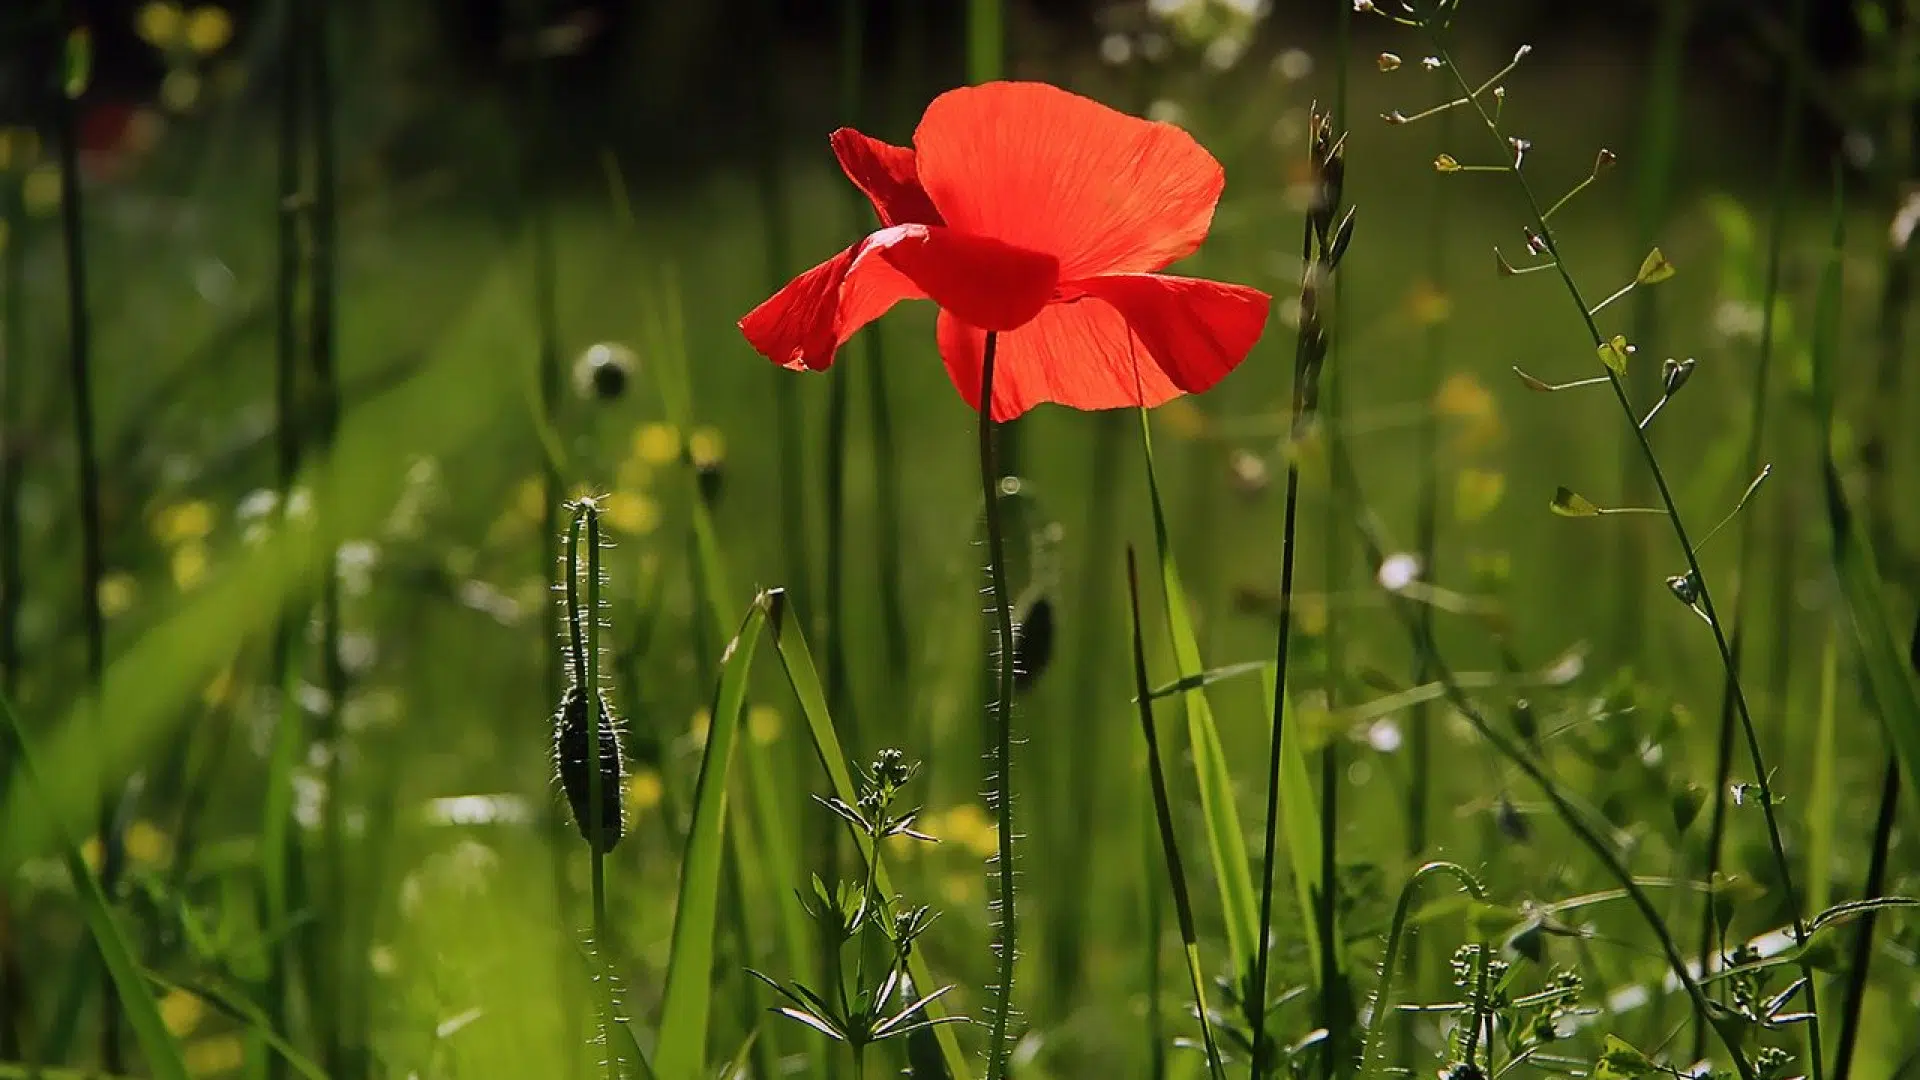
(570, 762)
(1032, 644)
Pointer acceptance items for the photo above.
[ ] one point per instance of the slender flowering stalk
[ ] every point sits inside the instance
(1002, 752)
(1322, 244)
(1613, 354)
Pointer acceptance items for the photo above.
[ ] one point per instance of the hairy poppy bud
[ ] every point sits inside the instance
(570, 762)
(1032, 644)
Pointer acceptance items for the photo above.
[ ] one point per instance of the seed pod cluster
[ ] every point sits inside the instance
(570, 754)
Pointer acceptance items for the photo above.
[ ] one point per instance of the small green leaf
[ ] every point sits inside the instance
(1654, 269)
(1621, 1061)
(1570, 503)
(1614, 354)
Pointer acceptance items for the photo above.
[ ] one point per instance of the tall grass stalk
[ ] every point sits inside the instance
(1000, 754)
(1671, 510)
(1780, 202)
(1318, 257)
(13, 351)
(86, 454)
(1336, 1005)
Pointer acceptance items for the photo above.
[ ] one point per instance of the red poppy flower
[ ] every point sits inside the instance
(1028, 211)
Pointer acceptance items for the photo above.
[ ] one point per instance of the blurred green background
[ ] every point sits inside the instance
(659, 169)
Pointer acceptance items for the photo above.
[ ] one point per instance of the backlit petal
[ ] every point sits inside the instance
(1124, 341)
(988, 283)
(885, 174)
(1040, 168)
(1197, 330)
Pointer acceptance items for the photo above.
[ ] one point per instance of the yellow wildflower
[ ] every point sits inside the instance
(706, 446)
(145, 844)
(182, 1012)
(631, 512)
(208, 30)
(215, 1055)
(644, 791)
(1183, 419)
(189, 564)
(763, 724)
(190, 520)
(159, 23)
(656, 443)
(40, 191)
(117, 590)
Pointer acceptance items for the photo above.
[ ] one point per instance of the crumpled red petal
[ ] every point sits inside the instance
(1040, 168)
(885, 174)
(1135, 340)
(988, 283)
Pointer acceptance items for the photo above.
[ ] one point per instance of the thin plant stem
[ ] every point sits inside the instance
(1002, 706)
(1706, 606)
(92, 559)
(1335, 1009)
(13, 351)
(1534, 769)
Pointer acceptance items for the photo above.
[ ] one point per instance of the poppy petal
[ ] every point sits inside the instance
(988, 283)
(885, 174)
(1040, 168)
(1196, 330)
(1133, 340)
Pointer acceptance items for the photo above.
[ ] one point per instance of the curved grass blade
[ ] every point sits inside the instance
(130, 985)
(1225, 841)
(689, 987)
(804, 679)
(1169, 844)
(243, 1012)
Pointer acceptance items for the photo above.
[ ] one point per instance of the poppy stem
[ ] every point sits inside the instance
(1001, 779)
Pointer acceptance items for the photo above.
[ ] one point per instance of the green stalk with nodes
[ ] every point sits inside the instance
(1324, 240)
(1614, 353)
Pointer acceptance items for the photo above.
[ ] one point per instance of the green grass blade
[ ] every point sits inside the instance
(689, 987)
(1225, 842)
(1300, 818)
(804, 678)
(1891, 684)
(1822, 794)
(769, 795)
(141, 1011)
(1169, 843)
